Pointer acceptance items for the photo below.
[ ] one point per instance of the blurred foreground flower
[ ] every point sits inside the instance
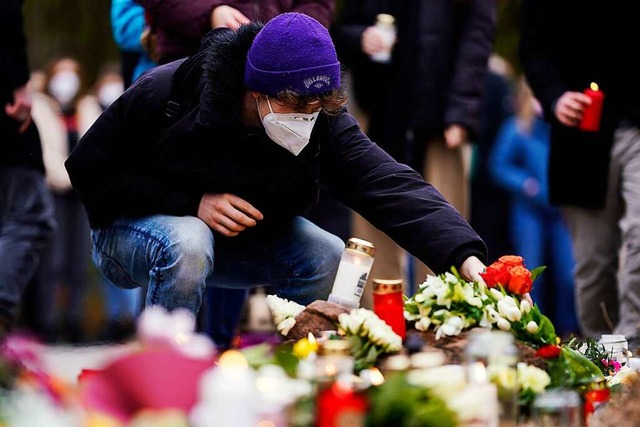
(158, 327)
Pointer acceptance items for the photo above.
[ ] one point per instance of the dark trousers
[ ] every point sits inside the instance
(26, 225)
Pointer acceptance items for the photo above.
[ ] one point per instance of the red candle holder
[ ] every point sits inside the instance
(597, 394)
(388, 304)
(592, 114)
(339, 404)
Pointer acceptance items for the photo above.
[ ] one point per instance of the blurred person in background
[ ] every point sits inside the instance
(519, 163)
(179, 25)
(369, 83)
(26, 209)
(594, 175)
(128, 24)
(176, 28)
(490, 203)
(62, 282)
(425, 105)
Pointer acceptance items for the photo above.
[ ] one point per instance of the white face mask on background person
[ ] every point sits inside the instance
(64, 86)
(109, 92)
(291, 131)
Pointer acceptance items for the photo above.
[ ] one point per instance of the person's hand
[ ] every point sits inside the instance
(471, 268)
(20, 110)
(228, 17)
(373, 41)
(570, 108)
(455, 136)
(227, 214)
(531, 187)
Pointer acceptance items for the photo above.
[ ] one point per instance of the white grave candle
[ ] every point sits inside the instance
(352, 273)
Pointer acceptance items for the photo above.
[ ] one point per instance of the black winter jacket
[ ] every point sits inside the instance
(565, 46)
(437, 74)
(126, 166)
(21, 149)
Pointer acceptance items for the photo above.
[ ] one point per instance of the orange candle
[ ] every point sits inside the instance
(591, 118)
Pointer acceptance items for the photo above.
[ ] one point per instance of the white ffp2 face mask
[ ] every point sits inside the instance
(291, 131)
(64, 86)
(109, 92)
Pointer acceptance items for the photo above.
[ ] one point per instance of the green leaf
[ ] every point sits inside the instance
(546, 331)
(400, 404)
(258, 355)
(537, 272)
(286, 359)
(572, 369)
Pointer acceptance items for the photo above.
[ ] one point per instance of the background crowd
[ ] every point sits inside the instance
(445, 101)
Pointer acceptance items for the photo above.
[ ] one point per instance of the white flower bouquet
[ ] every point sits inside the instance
(370, 336)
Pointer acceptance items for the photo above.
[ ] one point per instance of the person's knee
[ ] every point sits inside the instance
(191, 249)
(322, 264)
(178, 278)
(325, 250)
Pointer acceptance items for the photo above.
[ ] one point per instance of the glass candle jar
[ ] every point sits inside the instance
(616, 346)
(557, 408)
(334, 359)
(351, 277)
(385, 23)
(491, 356)
(597, 394)
(388, 304)
(341, 404)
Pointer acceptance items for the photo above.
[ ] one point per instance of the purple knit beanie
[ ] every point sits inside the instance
(293, 51)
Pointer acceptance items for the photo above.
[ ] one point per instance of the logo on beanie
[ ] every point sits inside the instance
(317, 81)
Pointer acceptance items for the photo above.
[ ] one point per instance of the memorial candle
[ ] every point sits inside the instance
(388, 304)
(353, 270)
(591, 118)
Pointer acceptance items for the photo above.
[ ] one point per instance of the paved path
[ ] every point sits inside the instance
(67, 362)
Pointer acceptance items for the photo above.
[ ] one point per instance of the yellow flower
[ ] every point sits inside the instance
(304, 347)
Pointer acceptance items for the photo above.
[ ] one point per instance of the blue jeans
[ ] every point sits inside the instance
(177, 257)
(27, 223)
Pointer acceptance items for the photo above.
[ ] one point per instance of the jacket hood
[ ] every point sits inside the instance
(225, 62)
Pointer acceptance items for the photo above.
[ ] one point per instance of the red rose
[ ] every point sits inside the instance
(496, 274)
(549, 351)
(511, 260)
(520, 282)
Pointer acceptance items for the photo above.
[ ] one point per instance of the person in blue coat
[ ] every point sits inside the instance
(519, 164)
(216, 198)
(127, 25)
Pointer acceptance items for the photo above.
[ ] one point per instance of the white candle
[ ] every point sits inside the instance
(352, 273)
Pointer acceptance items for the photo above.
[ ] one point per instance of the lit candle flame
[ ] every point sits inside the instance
(594, 86)
(233, 359)
(312, 338)
(330, 370)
